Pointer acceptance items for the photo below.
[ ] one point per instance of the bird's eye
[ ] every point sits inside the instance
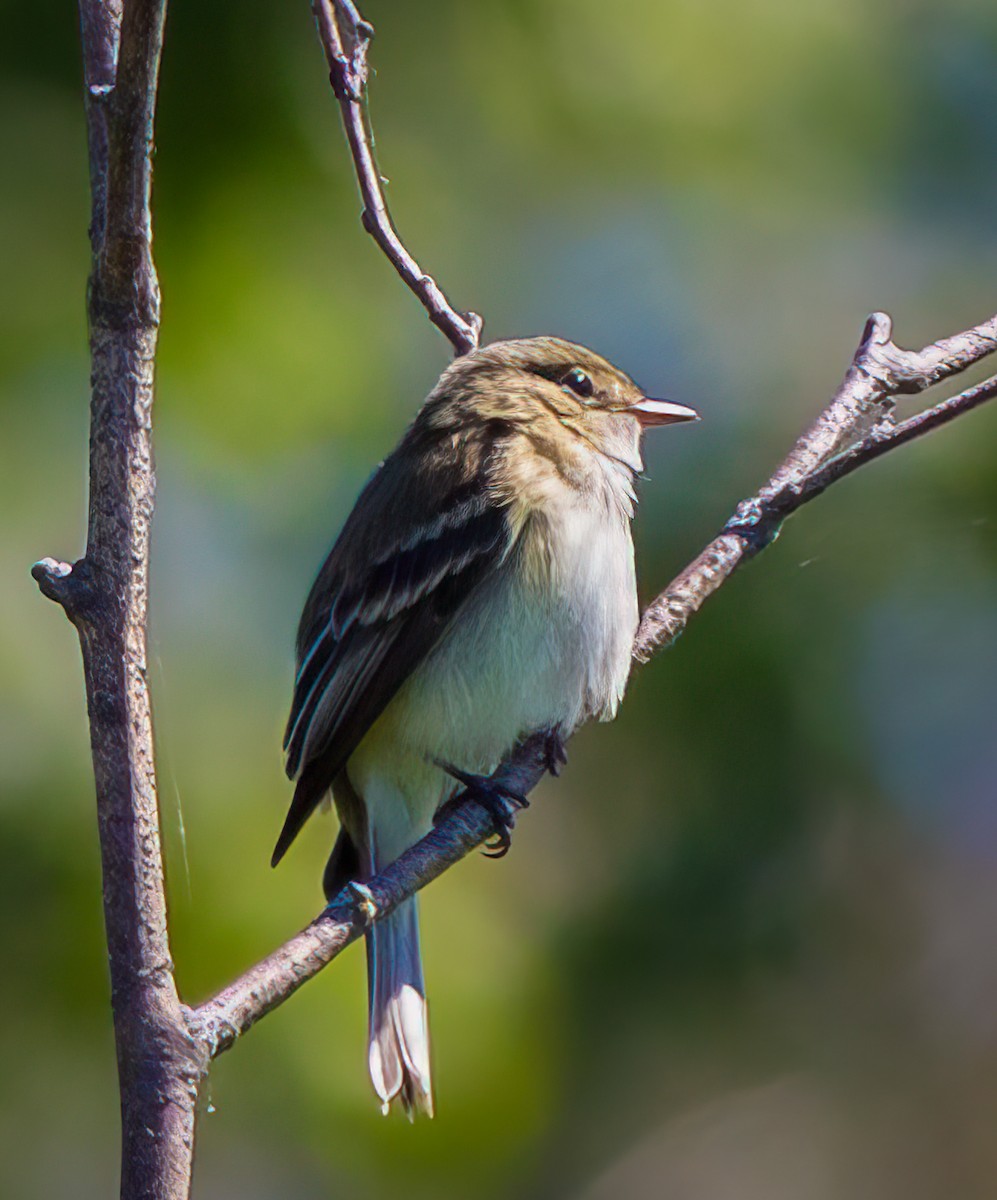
(578, 381)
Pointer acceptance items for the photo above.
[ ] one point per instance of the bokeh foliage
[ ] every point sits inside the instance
(745, 947)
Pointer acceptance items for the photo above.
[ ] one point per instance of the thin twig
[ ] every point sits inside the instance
(345, 38)
(881, 440)
(856, 427)
(880, 370)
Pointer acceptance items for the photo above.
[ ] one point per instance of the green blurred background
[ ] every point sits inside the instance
(747, 947)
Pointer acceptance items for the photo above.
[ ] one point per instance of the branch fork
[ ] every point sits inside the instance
(55, 580)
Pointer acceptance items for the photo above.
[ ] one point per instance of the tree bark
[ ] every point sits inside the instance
(105, 595)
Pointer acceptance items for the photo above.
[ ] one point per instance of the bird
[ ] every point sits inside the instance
(482, 589)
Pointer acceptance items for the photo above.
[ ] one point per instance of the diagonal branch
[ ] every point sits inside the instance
(857, 427)
(858, 424)
(236, 1008)
(345, 37)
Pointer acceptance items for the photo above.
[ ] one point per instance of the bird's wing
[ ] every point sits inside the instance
(413, 549)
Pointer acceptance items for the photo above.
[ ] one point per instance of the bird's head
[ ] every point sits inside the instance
(557, 393)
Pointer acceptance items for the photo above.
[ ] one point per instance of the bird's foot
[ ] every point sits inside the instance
(501, 803)
(363, 898)
(359, 897)
(555, 755)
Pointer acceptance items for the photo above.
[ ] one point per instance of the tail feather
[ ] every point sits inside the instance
(398, 1051)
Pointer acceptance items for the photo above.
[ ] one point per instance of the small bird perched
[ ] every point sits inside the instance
(481, 590)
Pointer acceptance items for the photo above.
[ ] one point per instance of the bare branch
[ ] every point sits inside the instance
(883, 438)
(857, 425)
(345, 38)
(220, 1020)
(105, 595)
(855, 428)
(880, 370)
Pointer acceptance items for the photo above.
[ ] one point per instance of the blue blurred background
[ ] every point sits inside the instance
(746, 946)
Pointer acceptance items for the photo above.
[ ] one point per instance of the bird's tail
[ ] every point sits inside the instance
(398, 1051)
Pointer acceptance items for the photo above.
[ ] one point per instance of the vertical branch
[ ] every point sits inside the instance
(100, 30)
(105, 595)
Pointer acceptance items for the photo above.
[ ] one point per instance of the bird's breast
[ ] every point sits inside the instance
(543, 643)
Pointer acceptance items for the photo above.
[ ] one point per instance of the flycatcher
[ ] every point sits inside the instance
(481, 590)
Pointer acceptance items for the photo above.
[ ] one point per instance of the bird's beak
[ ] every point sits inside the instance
(661, 412)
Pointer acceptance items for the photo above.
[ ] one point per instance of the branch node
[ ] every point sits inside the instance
(882, 360)
(63, 583)
(347, 84)
(878, 331)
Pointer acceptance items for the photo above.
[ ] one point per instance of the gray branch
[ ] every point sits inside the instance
(105, 594)
(857, 427)
(220, 1020)
(345, 37)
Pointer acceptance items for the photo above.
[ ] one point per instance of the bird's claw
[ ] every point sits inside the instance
(359, 897)
(500, 802)
(555, 755)
(363, 899)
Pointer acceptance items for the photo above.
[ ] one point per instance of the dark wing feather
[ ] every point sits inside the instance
(415, 546)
